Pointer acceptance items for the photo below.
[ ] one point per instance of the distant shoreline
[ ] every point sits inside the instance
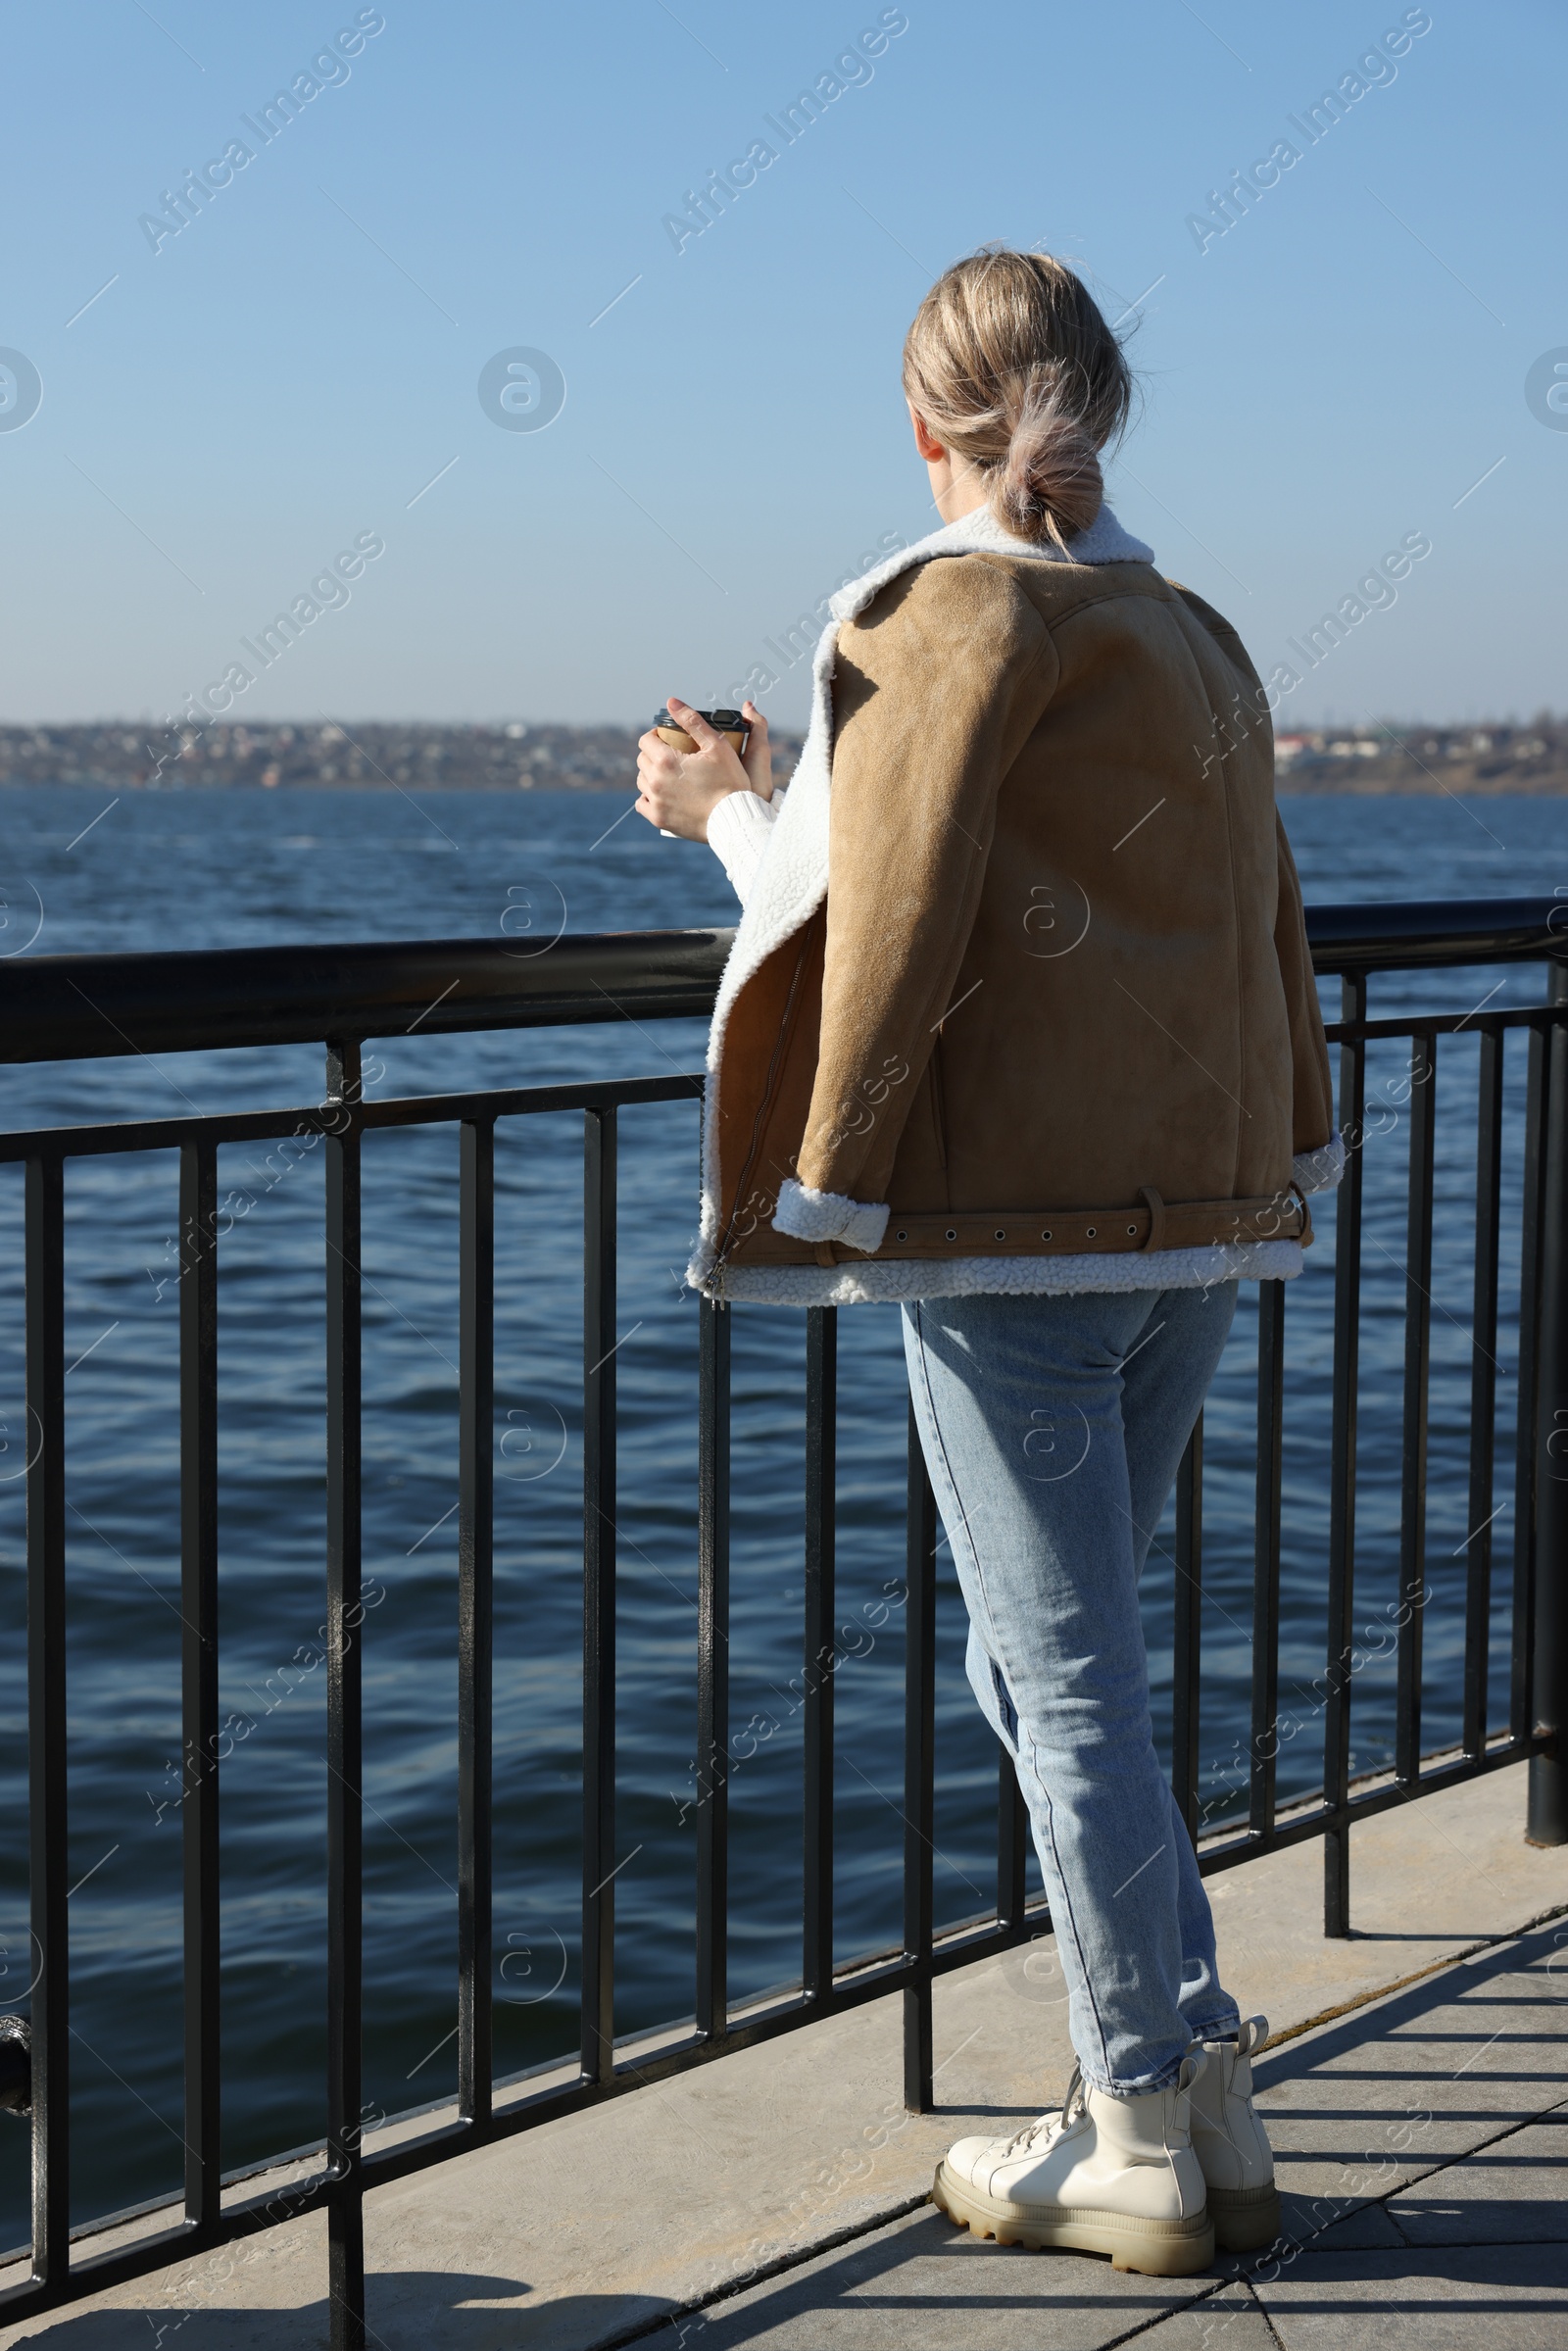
(122, 756)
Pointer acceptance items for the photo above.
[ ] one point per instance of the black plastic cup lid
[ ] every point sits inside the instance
(722, 721)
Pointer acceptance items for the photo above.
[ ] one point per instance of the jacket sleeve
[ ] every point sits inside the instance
(739, 829)
(1319, 1152)
(938, 685)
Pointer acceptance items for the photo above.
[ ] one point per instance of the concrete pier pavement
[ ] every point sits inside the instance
(1416, 2092)
(1422, 2146)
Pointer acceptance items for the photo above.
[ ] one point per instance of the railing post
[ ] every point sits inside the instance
(1547, 1816)
(822, 1460)
(1342, 1465)
(919, 1771)
(1417, 1411)
(713, 1670)
(1266, 1745)
(198, 1575)
(46, 1718)
(1012, 1843)
(345, 1614)
(475, 1612)
(1483, 1392)
(1187, 1645)
(1521, 1715)
(599, 1597)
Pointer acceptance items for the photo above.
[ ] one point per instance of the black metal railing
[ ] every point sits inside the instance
(69, 1007)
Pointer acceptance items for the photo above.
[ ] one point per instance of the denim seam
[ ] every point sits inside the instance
(952, 1487)
(1084, 1976)
(1141, 2088)
(1217, 2027)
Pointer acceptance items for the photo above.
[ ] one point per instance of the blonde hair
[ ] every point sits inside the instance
(1013, 367)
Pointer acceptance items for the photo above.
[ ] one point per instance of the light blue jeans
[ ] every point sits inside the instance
(1053, 1429)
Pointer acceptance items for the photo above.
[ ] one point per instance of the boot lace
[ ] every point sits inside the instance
(1049, 2126)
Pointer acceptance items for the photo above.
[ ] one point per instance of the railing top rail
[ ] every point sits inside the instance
(1428, 933)
(76, 1007)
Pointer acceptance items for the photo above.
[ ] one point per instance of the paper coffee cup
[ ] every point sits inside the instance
(731, 725)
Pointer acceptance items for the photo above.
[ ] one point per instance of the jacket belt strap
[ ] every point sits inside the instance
(1156, 1224)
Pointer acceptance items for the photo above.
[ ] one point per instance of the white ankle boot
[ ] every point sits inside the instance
(1106, 2174)
(1231, 2143)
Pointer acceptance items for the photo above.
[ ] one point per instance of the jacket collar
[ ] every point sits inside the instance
(980, 533)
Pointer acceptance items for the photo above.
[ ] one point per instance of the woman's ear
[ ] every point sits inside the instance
(928, 445)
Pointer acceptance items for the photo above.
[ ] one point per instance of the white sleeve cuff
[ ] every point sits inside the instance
(808, 1215)
(738, 831)
(1319, 1170)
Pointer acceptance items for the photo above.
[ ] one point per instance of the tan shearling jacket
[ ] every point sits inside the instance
(1022, 996)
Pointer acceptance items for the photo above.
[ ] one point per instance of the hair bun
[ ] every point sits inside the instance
(1049, 485)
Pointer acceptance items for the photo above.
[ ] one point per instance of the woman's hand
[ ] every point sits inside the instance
(679, 789)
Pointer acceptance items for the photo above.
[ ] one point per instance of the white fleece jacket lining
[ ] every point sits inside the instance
(808, 1215)
(1319, 1170)
(897, 1278)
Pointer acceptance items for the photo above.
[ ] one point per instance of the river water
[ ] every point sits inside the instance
(164, 870)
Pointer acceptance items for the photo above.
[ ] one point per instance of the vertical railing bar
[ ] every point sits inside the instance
(1417, 1383)
(1520, 1720)
(1343, 1465)
(1547, 1814)
(919, 1771)
(1482, 1391)
(344, 1728)
(713, 1669)
(822, 1493)
(475, 1611)
(1187, 1645)
(1013, 1840)
(198, 1578)
(1266, 1557)
(599, 1597)
(44, 1248)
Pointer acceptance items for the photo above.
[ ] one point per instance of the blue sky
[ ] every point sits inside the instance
(1337, 368)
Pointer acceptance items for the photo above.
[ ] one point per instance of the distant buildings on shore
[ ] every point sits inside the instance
(1492, 758)
(120, 756)
(413, 758)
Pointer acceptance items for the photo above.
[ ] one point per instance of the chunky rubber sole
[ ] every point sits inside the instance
(1245, 2217)
(1152, 2248)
